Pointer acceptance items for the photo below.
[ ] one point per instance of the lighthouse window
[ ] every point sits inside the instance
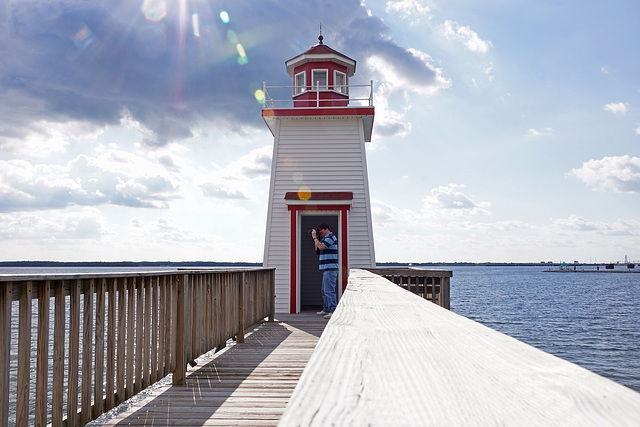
(319, 79)
(300, 83)
(339, 82)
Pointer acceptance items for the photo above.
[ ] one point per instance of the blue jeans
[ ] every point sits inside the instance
(329, 299)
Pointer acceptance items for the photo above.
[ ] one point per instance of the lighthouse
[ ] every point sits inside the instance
(318, 174)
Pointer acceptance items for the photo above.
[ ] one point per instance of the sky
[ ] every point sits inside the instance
(505, 131)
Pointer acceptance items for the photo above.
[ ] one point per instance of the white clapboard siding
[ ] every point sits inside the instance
(390, 358)
(323, 155)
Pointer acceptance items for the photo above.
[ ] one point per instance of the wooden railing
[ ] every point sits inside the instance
(123, 333)
(387, 357)
(432, 285)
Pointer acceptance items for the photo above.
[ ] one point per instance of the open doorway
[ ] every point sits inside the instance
(310, 275)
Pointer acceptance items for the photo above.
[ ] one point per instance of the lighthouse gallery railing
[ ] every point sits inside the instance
(358, 95)
(148, 325)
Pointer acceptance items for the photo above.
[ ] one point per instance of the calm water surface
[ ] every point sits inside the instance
(590, 319)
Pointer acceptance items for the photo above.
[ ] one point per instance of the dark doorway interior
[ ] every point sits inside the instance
(310, 276)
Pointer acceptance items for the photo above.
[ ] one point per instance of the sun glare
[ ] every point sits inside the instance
(154, 10)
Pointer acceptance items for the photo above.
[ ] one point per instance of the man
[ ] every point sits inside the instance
(327, 243)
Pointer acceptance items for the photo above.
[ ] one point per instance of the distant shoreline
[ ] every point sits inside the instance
(127, 264)
(593, 271)
(259, 264)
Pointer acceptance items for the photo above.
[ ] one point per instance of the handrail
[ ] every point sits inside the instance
(432, 285)
(147, 324)
(366, 99)
(387, 357)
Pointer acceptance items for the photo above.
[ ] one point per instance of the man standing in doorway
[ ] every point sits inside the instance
(327, 243)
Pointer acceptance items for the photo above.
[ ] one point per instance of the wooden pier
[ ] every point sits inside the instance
(114, 335)
(245, 384)
(386, 357)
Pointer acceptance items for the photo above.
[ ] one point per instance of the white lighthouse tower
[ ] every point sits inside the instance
(318, 174)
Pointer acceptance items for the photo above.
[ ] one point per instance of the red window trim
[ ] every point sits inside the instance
(319, 195)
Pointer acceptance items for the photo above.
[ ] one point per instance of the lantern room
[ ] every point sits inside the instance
(321, 77)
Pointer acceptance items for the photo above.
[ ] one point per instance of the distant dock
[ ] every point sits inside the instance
(592, 271)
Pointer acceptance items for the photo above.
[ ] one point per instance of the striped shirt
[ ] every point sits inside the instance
(329, 255)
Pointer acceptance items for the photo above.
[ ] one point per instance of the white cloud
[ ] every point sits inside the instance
(618, 227)
(45, 138)
(638, 130)
(388, 121)
(117, 178)
(396, 87)
(414, 9)
(218, 191)
(235, 180)
(384, 214)
(446, 202)
(409, 236)
(469, 38)
(395, 80)
(534, 133)
(85, 223)
(488, 71)
(616, 107)
(450, 201)
(619, 174)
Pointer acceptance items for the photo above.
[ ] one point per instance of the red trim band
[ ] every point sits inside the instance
(319, 195)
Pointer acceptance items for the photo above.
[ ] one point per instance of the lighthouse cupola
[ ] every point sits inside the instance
(321, 77)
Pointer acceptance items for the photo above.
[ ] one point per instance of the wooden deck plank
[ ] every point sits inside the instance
(244, 384)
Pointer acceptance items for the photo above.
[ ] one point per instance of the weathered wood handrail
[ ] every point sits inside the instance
(432, 285)
(388, 357)
(148, 324)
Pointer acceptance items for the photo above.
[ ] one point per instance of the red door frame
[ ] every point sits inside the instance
(343, 209)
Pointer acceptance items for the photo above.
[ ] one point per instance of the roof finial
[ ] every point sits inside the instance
(320, 38)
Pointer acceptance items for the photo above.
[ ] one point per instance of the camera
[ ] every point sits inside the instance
(317, 232)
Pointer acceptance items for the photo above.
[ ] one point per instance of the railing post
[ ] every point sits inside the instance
(240, 335)
(87, 347)
(24, 355)
(5, 333)
(42, 352)
(444, 292)
(371, 95)
(272, 295)
(180, 372)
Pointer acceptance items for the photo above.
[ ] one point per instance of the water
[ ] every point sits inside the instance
(590, 319)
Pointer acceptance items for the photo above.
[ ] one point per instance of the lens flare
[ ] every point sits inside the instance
(242, 55)
(259, 94)
(304, 193)
(154, 10)
(224, 17)
(83, 38)
(232, 37)
(195, 22)
(240, 50)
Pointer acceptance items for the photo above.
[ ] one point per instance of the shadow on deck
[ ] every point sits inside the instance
(244, 384)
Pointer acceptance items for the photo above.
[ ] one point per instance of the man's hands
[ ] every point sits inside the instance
(313, 234)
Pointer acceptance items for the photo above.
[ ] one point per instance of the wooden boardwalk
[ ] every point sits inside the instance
(244, 384)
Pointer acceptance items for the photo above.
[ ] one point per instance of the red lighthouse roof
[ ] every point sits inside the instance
(321, 53)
